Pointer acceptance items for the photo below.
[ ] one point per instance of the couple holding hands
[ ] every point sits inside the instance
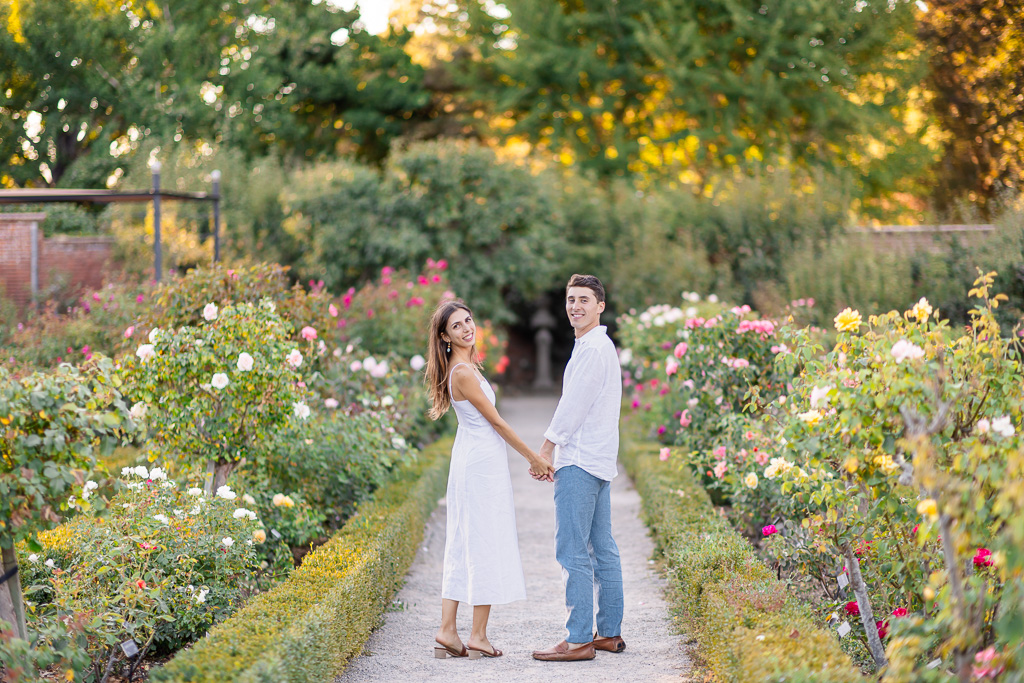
(482, 566)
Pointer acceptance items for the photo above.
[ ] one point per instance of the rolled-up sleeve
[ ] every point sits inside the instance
(578, 396)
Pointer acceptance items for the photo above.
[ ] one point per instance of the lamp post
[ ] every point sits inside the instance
(154, 168)
(215, 178)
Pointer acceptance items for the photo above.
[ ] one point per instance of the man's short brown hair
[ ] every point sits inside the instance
(590, 282)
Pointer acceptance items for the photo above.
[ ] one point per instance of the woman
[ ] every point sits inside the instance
(481, 551)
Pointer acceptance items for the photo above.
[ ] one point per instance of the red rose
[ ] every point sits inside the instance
(141, 584)
(983, 558)
(851, 608)
(900, 612)
(883, 629)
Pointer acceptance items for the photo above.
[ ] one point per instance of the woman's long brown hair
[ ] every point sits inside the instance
(439, 359)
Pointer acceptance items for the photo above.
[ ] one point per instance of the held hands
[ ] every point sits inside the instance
(541, 468)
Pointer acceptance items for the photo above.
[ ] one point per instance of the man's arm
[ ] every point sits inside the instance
(578, 396)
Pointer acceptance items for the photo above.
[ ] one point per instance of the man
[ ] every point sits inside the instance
(585, 429)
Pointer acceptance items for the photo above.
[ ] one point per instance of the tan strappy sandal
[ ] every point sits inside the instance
(477, 653)
(442, 651)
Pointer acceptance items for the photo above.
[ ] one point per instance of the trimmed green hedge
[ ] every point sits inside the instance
(749, 627)
(311, 625)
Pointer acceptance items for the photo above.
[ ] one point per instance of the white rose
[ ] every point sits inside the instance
(398, 442)
(1003, 426)
(387, 401)
(210, 311)
(154, 335)
(33, 558)
(227, 541)
(355, 366)
(126, 471)
(903, 350)
(244, 362)
(248, 500)
(50, 563)
(239, 513)
(294, 358)
(138, 411)
(157, 473)
(417, 362)
(300, 410)
(379, 370)
(219, 381)
(91, 485)
(201, 596)
(331, 403)
(141, 472)
(369, 364)
(226, 493)
(194, 491)
(145, 352)
(162, 518)
(819, 396)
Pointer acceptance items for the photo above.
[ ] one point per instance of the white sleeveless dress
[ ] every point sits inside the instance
(481, 549)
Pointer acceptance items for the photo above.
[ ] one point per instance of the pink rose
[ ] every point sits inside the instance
(680, 350)
(720, 452)
(333, 310)
(635, 404)
(720, 469)
(129, 332)
(761, 458)
(436, 279)
(900, 612)
(664, 453)
(671, 368)
(422, 279)
(442, 264)
(308, 333)
(983, 558)
(685, 419)
(661, 429)
(770, 530)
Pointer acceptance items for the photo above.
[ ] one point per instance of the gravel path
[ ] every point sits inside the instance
(402, 649)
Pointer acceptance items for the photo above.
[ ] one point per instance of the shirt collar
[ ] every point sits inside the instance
(599, 331)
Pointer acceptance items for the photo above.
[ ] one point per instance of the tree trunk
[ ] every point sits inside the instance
(217, 472)
(12, 609)
(867, 618)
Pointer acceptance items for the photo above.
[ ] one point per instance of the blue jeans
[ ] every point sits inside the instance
(587, 552)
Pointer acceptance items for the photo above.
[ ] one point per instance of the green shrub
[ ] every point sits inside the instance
(307, 628)
(749, 628)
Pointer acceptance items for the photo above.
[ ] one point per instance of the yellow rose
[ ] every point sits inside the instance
(929, 593)
(851, 465)
(886, 463)
(750, 480)
(259, 535)
(921, 310)
(928, 508)
(847, 321)
(811, 417)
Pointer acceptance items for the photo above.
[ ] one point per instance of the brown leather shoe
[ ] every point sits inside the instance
(563, 653)
(611, 644)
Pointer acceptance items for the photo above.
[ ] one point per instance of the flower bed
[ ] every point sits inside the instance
(308, 627)
(748, 627)
(885, 470)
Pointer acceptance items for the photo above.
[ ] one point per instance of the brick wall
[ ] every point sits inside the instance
(75, 262)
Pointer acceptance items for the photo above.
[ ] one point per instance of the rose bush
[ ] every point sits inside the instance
(161, 568)
(893, 462)
(217, 393)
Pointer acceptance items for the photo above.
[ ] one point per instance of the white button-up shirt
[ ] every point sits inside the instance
(586, 423)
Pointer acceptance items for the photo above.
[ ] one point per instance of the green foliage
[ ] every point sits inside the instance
(307, 628)
(447, 200)
(56, 647)
(972, 48)
(262, 77)
(684, 88)
(747, 625)
(54, 426)
(336, 462)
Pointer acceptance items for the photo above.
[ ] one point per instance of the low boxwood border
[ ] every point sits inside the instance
(748, 626)
(308, 627)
